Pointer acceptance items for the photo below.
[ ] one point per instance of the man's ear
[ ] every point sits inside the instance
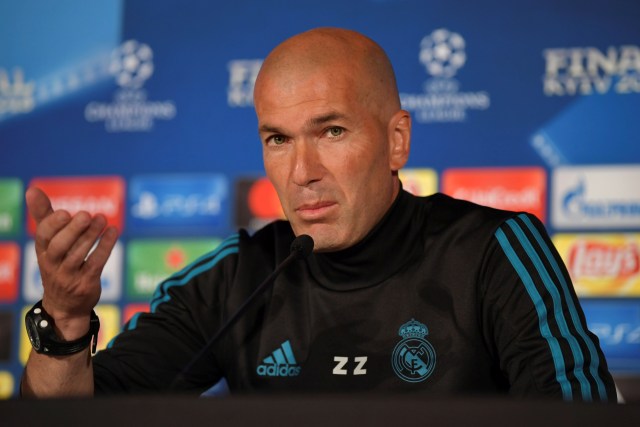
(399, 135)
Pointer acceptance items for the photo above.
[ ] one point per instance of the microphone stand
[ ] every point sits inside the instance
(301, 247)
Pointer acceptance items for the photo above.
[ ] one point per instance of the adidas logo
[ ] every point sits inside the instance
(281, 363)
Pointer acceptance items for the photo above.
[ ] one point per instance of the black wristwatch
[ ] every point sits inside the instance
(44, 339)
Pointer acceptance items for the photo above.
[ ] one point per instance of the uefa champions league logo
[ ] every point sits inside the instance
(131, 64)
(413, 358)
(442, 53)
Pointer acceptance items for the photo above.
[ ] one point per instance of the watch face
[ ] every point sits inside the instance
(32, 332)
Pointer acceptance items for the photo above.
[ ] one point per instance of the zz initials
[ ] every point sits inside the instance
(342, 361)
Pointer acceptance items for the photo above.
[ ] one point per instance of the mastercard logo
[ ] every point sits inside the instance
(263, 200)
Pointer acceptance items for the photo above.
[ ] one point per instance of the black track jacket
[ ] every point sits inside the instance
(442, 297)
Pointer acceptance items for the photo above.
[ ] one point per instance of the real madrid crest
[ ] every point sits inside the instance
(413, 358)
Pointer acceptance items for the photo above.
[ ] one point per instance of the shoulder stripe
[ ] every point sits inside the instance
(538, 303)
(594, 365)
(206, 262)
(204, 267)
(558, 313)
(134, 321)
(131, 325)
(229, 241)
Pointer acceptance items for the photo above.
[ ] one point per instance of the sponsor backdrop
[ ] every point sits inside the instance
(142, 110)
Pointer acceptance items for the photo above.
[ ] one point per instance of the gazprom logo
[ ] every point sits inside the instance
(596, 197)
(575, 204)
(178, 203)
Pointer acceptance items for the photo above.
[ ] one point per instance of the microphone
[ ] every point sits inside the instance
(300, 248)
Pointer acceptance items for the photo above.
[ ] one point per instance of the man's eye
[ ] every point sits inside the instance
(335, 131)
(278, 139)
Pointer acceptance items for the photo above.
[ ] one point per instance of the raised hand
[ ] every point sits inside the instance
(70, 275)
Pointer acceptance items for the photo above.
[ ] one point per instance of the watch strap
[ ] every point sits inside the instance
(40, 328)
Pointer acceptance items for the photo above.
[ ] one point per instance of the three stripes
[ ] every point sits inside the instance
(524, 246)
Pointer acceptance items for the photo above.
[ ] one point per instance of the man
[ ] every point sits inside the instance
(408, 294)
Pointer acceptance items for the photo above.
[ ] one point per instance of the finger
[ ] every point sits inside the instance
(98, 258)
(78, 252)
(38, 204)
(64, 239)
(49, 227)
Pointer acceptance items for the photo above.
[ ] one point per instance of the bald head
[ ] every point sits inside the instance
(342, 56)
(333, 134)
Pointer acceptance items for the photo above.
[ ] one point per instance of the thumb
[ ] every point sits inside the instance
(38, 204)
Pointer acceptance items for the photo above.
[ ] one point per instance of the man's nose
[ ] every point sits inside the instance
(307, 166)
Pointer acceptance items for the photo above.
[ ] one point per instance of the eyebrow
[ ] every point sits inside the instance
(311, 123)
(320, 120)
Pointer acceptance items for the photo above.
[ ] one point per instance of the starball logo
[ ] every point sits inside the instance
(131, 66)
(589, 70)
(443, 54)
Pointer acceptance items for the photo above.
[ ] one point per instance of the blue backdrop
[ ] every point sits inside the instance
(148, 91)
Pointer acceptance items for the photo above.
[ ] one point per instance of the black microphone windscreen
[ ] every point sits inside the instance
(302, 246)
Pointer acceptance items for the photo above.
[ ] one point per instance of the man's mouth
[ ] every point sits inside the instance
(313, 211)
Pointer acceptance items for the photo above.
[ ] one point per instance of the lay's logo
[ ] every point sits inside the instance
(419, 182)
(602, 264)
(604, 260)
(103, 195)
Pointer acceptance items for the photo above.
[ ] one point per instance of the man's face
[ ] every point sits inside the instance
(327, 155)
